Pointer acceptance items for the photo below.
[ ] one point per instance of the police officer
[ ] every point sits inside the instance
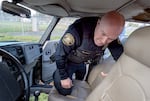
(85, 40)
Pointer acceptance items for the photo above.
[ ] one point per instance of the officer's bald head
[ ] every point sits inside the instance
(108, 28)
(113, 19)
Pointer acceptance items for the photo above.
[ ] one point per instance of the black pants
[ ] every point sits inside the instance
(78, 69)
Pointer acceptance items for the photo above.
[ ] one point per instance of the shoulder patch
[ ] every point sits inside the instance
(68, 39)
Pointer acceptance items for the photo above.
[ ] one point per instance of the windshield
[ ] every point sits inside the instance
(14, 28)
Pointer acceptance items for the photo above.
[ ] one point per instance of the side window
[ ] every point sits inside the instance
(61, 27)
(129, 28)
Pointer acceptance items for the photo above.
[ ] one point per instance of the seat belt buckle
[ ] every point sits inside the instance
(88, 61)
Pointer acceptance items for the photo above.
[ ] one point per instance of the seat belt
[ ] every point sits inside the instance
(87, 69)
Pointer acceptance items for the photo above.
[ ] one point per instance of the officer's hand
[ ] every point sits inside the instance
(104, 74)
(66, 83)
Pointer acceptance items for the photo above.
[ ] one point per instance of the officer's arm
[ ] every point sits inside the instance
(66, 44)
(116, 49)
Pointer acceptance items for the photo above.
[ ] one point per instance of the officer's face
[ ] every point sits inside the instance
(105, 33)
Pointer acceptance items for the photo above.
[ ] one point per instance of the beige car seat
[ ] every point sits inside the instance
(128, 79)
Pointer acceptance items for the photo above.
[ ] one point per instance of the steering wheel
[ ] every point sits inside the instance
(26, 90)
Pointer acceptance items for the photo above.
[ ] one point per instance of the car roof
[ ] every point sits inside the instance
(137, 10)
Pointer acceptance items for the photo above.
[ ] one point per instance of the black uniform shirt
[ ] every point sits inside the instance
(81, 37)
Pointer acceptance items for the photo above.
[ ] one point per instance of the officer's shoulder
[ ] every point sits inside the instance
(68, 39)
(117, 41)
(86, 20)
(89, 18)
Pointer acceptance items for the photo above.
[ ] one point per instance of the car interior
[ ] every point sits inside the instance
(127, 80)
(26, 68)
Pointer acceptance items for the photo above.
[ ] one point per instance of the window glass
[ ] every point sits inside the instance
(14, 28)
(61, 27)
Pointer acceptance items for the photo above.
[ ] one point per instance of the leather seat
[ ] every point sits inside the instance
(128, 79)
(82, 89)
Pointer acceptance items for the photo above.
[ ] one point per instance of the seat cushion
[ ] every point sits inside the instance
(81, 90)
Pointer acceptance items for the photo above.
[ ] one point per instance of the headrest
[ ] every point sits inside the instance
(138, 45)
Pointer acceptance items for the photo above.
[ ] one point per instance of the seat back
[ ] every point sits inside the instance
(129, 78)
(95, 77)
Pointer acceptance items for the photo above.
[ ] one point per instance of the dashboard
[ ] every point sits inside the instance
(26, 53)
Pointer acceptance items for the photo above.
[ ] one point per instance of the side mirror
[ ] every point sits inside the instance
(14, 9)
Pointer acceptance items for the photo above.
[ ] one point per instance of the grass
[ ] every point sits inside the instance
(55, 37)
(5, 37)
(7, 26)
(9, 29)
(42, 97)
(27, 38)
(13, 31)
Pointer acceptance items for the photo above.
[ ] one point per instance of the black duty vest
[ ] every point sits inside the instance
(87, 49)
